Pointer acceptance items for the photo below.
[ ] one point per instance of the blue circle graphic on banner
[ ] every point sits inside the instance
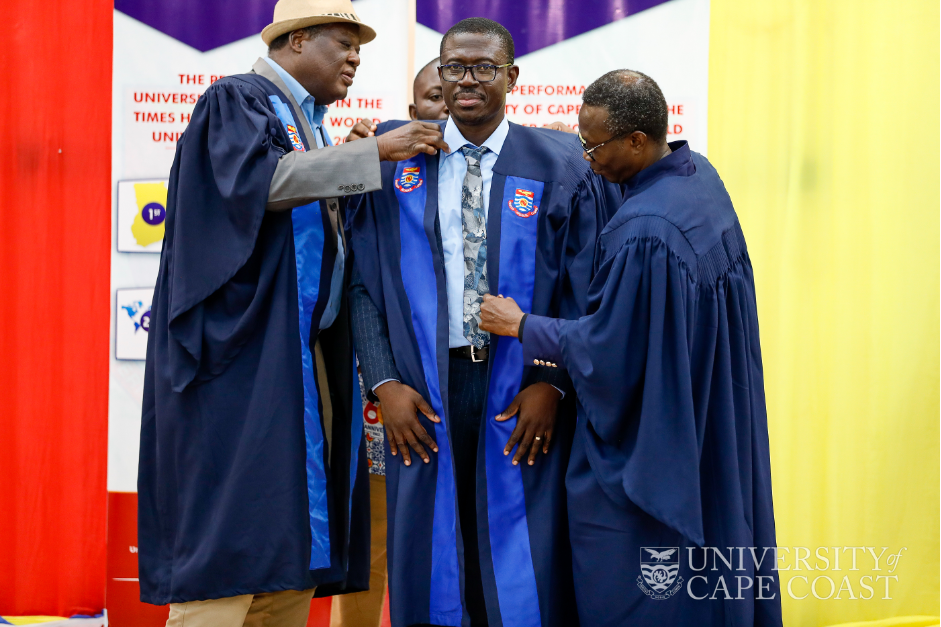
(154, 213)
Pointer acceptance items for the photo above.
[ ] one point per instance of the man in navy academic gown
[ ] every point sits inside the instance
(477, 530)
(669, 483)
(252, 481)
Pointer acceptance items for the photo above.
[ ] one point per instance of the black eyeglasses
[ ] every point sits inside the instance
(483, 73)
(588, 150)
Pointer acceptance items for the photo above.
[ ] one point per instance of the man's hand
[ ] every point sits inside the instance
(560, 126)
(361, 129)
(536, 406)
(400, 406)
(500, 316)
(407, 141)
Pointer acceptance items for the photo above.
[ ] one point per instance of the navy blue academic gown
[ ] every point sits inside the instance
(238, 492)
(546, 211)
(671, 447)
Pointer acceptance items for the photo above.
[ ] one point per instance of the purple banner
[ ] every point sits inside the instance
(534, 24)
(202, 24)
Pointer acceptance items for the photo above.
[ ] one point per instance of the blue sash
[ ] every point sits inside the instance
(418, 276)
(308, 228)
(506, 504)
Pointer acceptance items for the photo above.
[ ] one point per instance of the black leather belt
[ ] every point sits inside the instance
(476, 355)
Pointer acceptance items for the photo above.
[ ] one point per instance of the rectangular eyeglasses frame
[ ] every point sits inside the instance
(472, 69)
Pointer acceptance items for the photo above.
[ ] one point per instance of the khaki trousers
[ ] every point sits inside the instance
(288, 608)
(364, 609)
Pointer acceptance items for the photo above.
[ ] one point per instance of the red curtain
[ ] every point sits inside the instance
(55, 243)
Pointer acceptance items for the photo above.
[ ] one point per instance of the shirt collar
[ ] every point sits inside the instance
(677, 163)
(300, 94)
(454, 138)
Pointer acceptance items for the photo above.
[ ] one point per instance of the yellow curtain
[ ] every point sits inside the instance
(823, 123)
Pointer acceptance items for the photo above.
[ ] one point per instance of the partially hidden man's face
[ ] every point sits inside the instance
(429, 99)
(620, 158)
(328, 61)
(470, 102)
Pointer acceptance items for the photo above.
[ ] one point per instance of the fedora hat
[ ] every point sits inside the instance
(291, 15)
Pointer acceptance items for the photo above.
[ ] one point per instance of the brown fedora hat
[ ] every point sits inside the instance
(291, 15)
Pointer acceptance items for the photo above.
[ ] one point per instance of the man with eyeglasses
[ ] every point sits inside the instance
(671, 448)
(477, 526)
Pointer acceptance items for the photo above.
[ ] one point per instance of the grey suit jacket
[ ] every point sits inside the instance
(303, 177)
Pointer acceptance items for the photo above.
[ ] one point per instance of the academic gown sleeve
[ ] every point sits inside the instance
(570, 236)
(216, 204)
(629, 363)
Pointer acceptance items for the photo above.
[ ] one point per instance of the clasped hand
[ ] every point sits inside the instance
(536, 406)
(500, 316)
(400, 405)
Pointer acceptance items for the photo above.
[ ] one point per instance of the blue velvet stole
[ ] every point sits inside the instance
(506, 502)
(309, 234)
(418, 276)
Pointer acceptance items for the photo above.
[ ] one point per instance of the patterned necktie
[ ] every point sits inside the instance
(474, 221)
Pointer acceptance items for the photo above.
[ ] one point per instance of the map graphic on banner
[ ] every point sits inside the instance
(561, 48)
(142, 211)
(132, 322)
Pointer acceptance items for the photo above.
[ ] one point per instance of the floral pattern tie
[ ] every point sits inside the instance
(474, 221)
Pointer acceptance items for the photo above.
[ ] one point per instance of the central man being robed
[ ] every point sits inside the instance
(477, 531)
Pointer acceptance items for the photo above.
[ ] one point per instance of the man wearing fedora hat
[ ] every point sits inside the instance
(253, 488)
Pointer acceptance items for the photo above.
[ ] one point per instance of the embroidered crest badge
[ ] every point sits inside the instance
(659, 569)
(409, 180)
(295, 138)
(523, 204)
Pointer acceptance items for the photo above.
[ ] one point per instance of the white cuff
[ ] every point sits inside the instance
(376, 387)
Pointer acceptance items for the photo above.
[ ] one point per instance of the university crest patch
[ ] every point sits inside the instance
(523, 204)
(659, 569)
(409, 180)
(295, 138)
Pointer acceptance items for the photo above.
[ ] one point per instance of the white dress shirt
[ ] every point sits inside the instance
(451, 170)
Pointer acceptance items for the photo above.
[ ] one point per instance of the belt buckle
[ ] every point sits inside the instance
(473, 352)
